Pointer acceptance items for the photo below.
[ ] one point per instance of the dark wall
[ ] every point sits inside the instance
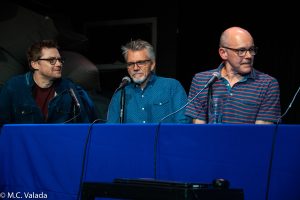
(188, 37)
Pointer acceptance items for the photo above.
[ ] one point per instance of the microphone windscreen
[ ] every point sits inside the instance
(217, 75)
(126, 78)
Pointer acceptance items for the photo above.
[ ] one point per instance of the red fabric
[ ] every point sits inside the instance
(42, 97)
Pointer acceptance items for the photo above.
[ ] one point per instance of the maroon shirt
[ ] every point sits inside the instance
(42, 97)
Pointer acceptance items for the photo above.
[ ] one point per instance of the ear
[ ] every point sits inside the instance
(223, 53)
(34, 64)
(153, 64)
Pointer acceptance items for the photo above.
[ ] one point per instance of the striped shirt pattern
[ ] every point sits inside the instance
(256, 97)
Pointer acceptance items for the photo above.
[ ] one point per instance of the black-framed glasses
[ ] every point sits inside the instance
(242, 51)
(141, 63)
(53, 61)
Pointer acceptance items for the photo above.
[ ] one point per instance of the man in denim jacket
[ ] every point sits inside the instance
(42, 95)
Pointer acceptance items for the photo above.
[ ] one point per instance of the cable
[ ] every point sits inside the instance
(84, 156)
(288, 108)
(274, 144)
(155, 150)
(182, 107)
(75, 116)
(215, 76)
(271, 161)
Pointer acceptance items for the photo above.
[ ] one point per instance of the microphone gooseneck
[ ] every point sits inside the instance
(76, 106)
(73, 95)
(213, 79)
(122, 105)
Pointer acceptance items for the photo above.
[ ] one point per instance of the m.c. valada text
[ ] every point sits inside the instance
(26, 195)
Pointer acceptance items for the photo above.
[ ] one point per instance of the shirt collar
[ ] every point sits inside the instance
(252, 73)
(150, 82)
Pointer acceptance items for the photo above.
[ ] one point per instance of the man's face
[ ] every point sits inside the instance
(238, 51)
(49, 66)
(241, 59)
(139, 66)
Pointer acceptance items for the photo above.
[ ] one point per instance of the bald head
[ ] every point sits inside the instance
(235, 36)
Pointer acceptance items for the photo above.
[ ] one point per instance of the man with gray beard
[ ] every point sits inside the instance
(149, 98)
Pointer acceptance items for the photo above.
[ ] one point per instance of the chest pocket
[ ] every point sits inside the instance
(161, 107)
(162, 102)
(25, 110)
(61, 106)
(26, 114)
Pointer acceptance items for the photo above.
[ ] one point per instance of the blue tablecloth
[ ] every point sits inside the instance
(47, 160)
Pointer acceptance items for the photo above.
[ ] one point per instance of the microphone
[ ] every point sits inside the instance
(213, 79)
(73, 95)
(77, 104)
(125, 80)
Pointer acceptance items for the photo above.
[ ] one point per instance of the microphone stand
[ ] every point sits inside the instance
(74, 113)
(209, 98)
(122, 103)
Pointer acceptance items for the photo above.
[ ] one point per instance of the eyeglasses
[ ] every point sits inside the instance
(242, 51)
(141, 63)
(53, 61)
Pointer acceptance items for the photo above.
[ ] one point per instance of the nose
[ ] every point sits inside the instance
(136, 67)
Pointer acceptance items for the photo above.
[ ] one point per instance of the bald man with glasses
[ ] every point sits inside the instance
(246, 95)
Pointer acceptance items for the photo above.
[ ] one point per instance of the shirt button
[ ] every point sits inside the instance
(144, 122)
(227, 84)
(142, 96)
(231, 94)
(143, 108)
(160, 104)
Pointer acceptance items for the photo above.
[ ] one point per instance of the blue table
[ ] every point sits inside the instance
(46, 160)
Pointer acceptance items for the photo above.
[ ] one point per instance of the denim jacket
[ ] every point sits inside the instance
(17, 105)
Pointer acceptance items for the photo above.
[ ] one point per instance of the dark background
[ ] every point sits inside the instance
(187, 36)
